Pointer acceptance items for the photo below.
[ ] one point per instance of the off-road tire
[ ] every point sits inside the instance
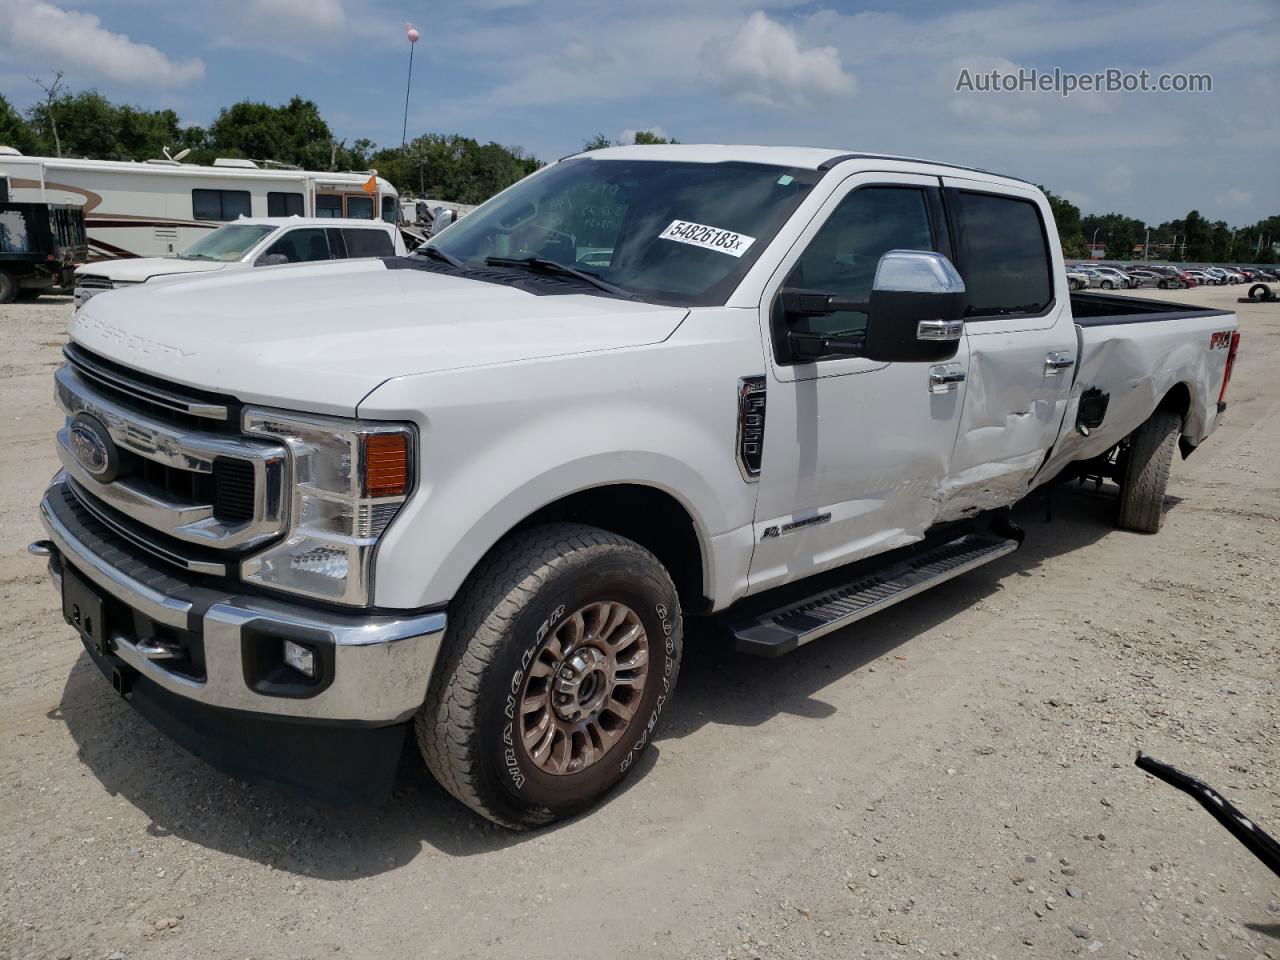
(8, 287)
(517, 598)
(1145, 474)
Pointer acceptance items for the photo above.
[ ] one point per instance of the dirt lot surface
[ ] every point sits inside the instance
(952, 778)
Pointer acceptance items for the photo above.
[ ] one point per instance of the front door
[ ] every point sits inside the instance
(855, 452)
(1022, 343)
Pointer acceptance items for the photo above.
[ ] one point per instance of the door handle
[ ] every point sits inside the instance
(945, 377)
(1057, 361)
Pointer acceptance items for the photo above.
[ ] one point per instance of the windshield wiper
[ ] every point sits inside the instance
(555, 268)
(435, 253)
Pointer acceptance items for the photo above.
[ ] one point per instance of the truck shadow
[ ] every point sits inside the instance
(184, 797)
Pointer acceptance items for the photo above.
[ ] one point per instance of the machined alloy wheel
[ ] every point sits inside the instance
(581, 693)
(562, 651)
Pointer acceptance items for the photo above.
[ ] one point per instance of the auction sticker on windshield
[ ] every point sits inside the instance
(710, 238)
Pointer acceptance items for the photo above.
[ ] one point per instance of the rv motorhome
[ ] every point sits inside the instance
(157, 207)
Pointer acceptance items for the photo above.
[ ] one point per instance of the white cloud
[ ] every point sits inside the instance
(78, 43)
(763, 63)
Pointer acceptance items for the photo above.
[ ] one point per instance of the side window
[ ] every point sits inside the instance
(284, 204)
(328, 205)
(219, 204)
(390, 209)
(842, 258)
(1003, 254)
(368, 243)
(301, 246)
(360, 207)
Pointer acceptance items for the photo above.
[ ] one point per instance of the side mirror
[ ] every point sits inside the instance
(916, 309)
(271, 260)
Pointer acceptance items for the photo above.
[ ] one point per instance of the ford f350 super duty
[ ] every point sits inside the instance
(473, 493)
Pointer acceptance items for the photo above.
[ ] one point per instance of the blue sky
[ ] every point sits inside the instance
(876, 77)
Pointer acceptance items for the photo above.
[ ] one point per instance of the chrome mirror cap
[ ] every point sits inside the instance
(916, 271)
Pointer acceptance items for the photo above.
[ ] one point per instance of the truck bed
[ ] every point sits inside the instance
(1100, 309)
(1136, 351)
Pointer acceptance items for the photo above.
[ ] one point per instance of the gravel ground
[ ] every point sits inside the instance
(952, 778)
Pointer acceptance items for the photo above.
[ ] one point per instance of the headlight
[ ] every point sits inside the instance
(350, 479)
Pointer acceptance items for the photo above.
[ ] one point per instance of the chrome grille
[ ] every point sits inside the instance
(93, 282)
(185, 491)
(132, 387)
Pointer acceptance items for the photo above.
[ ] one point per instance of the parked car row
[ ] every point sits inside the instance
(1164, 276)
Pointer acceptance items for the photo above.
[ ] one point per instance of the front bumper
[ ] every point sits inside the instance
(230, 677)
(374, 667)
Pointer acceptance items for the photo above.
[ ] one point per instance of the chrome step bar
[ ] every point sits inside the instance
(778, 631)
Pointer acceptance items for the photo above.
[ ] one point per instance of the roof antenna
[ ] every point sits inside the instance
(181, 154)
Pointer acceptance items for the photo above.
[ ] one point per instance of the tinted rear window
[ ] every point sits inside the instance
(368, 243)
(1004, 255)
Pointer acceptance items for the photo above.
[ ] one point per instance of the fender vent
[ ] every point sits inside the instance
(751, 397)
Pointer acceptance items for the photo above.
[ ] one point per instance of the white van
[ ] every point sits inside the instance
(249, 242)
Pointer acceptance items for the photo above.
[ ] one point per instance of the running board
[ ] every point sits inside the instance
(779, 631)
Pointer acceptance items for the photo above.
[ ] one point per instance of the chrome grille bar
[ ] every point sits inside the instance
(174, 447)
(92, 370)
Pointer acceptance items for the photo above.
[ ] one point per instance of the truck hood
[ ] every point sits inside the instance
(321, 337)
(138, 269)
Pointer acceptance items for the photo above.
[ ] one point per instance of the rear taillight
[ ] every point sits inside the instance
(1231, 363)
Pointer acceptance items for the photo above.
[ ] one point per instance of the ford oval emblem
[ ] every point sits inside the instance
(93, 447)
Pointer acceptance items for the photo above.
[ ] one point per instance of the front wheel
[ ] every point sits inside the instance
(1144, 476)
(561, 653)
(8, 287)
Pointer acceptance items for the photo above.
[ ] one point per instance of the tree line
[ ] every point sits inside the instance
(1192, 238)
(462, 170)
(87, 124)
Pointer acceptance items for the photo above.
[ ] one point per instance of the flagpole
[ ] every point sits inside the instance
(412, 35)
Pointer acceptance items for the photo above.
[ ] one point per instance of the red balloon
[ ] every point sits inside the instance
(411, 32)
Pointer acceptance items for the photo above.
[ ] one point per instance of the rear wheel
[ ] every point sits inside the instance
(1107, 284)
(8, 287)
(561, 653)
(1144, 476)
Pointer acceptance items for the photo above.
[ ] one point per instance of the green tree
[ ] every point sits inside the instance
(598, 142)
(14, 130)
(90, 125)
(1116, 232)
(1199, 237)
(649, 137)
(293, 133)
(453, 167)
(1066, 216)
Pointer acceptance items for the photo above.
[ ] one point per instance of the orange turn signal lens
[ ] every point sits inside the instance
(386, 464)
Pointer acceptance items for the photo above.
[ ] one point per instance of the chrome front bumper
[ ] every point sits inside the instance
(380, 664)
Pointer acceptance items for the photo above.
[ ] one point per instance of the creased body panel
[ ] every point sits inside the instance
(1137, 364)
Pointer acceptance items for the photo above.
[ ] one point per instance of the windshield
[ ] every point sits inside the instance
(682, 233)
(226, 244)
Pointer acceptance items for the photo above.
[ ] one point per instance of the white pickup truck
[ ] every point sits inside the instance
(476, 491)
(244, 244)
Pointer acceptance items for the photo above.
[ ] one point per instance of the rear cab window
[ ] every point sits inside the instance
(368, 243)
(1002, 252)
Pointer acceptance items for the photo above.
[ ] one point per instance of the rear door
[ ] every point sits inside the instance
(1022, 343)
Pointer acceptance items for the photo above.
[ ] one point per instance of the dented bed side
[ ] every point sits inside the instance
(1137, 361)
